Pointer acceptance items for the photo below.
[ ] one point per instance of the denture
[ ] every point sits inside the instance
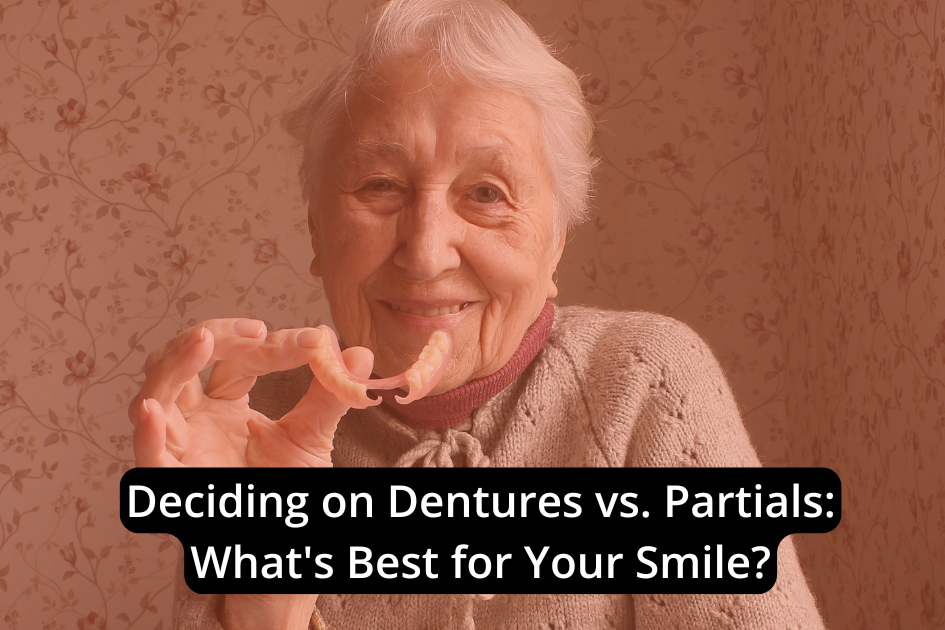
(419, 379)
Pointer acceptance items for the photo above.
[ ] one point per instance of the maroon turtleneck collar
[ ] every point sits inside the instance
(450, 408)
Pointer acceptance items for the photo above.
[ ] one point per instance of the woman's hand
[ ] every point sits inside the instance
(177, 423)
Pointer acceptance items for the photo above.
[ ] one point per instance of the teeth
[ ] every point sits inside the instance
(334, 376)
(413, 379)
(326, 368)
(440, 341)
(340, 383)
(431, 312)
(354, 389)
(424, 369)
(432, 355)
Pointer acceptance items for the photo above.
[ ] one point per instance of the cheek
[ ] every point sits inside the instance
(355, 246)
(353, 254)
(510, 260)
(510, 266)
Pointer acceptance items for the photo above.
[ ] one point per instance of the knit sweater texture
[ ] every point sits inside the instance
(607, 389)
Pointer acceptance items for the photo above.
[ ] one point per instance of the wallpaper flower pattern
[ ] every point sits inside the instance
(769, 174)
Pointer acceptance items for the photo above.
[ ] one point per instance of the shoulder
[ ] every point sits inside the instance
(653, 384)
(602, 339)
(586, 323)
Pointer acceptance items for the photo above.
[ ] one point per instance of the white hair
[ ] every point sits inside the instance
(480, 42)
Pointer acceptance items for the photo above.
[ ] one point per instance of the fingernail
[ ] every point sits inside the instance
(248, 327)
(145, 407)
(196, 337)
(309, 338)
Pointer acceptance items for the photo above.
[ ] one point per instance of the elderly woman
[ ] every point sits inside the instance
(443, 164)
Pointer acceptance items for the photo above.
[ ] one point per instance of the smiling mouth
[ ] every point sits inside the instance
(430, 312)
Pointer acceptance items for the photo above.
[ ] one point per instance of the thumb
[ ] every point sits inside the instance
(312, 422)
(359, 360)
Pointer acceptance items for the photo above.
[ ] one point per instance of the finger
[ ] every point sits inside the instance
(169, 377)
(312, 422)
(282, 350)
(229, 334)
(150, 438)
(174, 373)
(177, 429)
(179, 365)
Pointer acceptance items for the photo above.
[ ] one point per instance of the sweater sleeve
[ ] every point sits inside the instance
(193, 611)
(199, 612)
(690, 418)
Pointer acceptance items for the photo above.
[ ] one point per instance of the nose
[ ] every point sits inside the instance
(429, 236)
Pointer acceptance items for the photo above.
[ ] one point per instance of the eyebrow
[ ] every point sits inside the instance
(500, 157)
(503, 161)
(367, 149)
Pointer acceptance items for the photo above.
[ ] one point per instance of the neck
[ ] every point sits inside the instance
(450, 408)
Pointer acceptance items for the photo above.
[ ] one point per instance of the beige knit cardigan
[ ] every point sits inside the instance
(607, 389)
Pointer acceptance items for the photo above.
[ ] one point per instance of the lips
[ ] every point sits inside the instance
(430, 312)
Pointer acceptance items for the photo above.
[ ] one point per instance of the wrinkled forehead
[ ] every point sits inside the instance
(408, 120)
(493, 153)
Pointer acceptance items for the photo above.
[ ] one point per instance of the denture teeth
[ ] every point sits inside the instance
(425, 370)
(342, 385)
(419, 378)
(432, 355)
(440, 340)
(413, 378)
(327, 368)
(355, 389)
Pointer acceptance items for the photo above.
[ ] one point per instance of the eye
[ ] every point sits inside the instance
(380, 185)
(486, 194)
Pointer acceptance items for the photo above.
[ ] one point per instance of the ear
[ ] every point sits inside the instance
(559, 250)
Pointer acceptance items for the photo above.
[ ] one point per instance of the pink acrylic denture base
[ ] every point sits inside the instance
(362, 401)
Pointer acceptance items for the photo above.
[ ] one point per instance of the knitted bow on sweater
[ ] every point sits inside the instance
(436, 449)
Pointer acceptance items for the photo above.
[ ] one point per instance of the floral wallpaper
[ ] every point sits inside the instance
(770, 175)
(856, 98)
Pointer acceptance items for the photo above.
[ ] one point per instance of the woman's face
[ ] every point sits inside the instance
(435, 212)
